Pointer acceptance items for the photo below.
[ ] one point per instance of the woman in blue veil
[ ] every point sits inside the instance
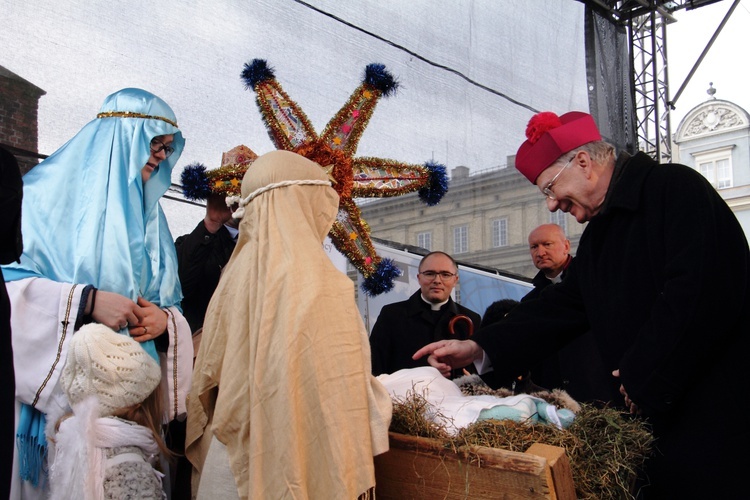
(97, 248)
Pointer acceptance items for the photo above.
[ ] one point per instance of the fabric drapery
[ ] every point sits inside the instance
(282, 377)
(87, 216)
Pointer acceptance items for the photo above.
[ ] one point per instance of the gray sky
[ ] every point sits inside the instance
(725, 64)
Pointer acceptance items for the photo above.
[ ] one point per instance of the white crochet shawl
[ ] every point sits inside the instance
(78, 460)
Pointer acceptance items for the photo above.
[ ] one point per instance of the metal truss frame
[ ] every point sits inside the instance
(647, 22)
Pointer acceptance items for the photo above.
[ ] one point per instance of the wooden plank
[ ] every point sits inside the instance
(562, 475)
(421, 468)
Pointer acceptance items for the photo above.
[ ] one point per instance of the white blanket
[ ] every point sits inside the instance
(454, 411)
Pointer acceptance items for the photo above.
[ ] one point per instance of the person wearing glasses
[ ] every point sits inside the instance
(661, 278)
(96, 249)
(403, 327)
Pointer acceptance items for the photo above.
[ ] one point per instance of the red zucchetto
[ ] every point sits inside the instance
(549, 136)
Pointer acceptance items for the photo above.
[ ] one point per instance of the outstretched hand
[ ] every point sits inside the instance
(153, 322)
(445, 355)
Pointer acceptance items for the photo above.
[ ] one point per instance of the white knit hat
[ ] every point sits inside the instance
(111, 366)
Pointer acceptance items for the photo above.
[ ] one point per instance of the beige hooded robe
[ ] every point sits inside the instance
(282, 377)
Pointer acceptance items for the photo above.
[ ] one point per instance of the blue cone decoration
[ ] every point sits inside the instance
(377, 76)
(382, 279)
(436, 188)
(195, 185)
(255, 72)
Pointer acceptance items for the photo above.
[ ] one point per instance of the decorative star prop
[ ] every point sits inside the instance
(352, 177)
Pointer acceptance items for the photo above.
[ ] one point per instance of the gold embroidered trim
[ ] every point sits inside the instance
(65, 323)
(176, 401)
(131, 114)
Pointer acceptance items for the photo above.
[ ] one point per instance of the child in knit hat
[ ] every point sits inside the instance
(107, 446)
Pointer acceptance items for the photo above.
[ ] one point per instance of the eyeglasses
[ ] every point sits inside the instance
(157, 146)
(547, 190)
(431, 275)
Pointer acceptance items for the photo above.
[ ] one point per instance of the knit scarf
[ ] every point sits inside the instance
(78, 466)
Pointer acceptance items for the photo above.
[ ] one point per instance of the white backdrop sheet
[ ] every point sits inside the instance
(191, 54)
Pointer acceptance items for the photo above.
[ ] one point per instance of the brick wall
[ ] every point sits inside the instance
(19, 104)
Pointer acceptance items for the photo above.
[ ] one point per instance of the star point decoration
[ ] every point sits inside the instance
(198, 183)
(353, 177)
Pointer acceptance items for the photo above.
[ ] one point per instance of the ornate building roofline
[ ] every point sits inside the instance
(714, 116)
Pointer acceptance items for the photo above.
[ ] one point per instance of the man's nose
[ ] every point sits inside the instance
(552, 205)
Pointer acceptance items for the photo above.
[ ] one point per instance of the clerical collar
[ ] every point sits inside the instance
(435, 307)
(233, 231)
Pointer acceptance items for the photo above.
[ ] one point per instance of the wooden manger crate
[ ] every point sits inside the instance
(417, 467)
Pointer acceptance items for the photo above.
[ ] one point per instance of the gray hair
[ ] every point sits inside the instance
(599, 151)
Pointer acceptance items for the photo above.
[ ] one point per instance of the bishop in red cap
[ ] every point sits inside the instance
(661, 280)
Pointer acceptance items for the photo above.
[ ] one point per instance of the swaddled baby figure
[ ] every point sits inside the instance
(109, 445)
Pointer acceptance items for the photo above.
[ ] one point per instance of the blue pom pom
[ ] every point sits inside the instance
(382, 279)
(255, 72)
(437, 186)
(195, 185)
(377, 76)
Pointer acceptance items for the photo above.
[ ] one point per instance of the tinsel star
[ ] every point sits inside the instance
(354, 177)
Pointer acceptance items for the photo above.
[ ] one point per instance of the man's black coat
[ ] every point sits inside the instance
(402, 328)
(661, 279)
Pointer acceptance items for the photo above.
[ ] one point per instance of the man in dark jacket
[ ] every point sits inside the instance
(661, 278)
(577, 367)
(201, 255)
(550, 252)
(403, 327)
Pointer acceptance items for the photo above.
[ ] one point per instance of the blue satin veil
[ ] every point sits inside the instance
(87, 216)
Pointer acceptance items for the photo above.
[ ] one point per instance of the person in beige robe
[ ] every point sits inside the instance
(283, 404)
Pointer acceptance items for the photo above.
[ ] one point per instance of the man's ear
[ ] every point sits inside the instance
(583, 160)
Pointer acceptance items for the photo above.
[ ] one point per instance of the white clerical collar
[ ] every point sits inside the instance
(433, 306)
(557, 279)
(233, 231)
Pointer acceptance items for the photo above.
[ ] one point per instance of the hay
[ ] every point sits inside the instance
(606, 448)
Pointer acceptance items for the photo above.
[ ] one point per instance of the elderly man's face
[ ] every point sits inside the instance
(575, 190)
(549, 249)
(438, 289)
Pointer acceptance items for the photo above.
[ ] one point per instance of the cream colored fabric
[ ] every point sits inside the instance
(282, 376)
(218, 481)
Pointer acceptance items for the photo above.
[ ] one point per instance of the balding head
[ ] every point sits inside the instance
(550, 249)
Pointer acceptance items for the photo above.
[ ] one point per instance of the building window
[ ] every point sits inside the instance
(500, 233)
(716, 167)
(424, 240)
(461, 239)
(560, 218)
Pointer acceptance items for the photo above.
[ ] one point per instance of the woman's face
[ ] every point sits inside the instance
(161, 148)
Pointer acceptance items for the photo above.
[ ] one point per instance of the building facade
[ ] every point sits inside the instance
(19, 105)
(714, 139)
(484, 219)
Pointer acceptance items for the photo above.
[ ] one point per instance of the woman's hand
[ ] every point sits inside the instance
(114, 310)
(152, 323)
